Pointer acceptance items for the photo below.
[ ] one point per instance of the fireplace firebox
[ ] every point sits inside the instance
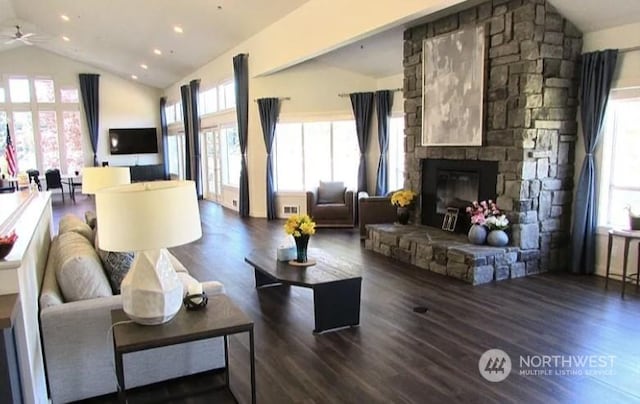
(455, 184)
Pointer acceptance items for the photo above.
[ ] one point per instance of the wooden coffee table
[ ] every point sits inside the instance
(220, 318)
(336, 285)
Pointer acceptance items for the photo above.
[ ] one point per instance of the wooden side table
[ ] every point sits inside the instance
(220, 318)
(628, 236)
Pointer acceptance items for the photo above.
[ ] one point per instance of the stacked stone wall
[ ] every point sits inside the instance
(531, 89)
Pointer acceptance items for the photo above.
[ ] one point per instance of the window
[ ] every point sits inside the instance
(619, 187)
(307, 153)
(69, 95)
(231, 156)
(45, 91)
(227, 95)
(48, 126)
(178, 109)
(170, 113)
(208, 101)
(176, 154)
(72, 140)
(19, 90)
(396, 154)
(45, 128)
(23, 140)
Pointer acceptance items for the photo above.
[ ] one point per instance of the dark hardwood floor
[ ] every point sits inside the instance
(396, 354)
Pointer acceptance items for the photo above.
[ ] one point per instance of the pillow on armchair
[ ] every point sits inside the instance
(331, 192)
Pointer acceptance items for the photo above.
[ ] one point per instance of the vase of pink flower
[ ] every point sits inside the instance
(486, 216)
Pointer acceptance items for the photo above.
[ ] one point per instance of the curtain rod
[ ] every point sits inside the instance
(393, 90)
(280, 98)
(631, 49)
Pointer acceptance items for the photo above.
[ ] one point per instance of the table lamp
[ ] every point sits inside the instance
(95, 178)
(147, 218)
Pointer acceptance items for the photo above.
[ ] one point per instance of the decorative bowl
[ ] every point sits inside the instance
(5, 249)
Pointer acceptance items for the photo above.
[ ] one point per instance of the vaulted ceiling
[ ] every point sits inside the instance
(120, 36)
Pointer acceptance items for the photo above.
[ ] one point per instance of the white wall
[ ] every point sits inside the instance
(627, 75)
(123, 103)
(298, 37)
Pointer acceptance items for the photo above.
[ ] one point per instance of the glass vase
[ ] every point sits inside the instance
(403, 214)
(301, 247)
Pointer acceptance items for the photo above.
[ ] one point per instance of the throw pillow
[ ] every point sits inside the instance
(78, 269)
(331, 192)
(90, 218)
(73, 223)
(116, 266)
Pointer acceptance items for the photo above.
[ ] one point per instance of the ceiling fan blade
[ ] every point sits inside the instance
(26, 42)
(10, 41)
(25, 36)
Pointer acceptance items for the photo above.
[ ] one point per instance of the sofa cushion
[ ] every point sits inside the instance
(73, 223)
(116, 266)
(331, 192)
(78, 269)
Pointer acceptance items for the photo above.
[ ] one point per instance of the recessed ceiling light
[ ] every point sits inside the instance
(145, 67)
(177, 29)
(157, 51)
(133, 76)
(65, 38)
(64, 17)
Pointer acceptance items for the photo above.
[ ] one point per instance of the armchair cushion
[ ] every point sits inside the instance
(331, 192)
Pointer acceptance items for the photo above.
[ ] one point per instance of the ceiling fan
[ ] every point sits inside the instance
(20, 36)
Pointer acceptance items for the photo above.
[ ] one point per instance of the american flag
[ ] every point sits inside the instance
(10, 155)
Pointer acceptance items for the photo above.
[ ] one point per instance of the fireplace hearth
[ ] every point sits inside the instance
(455, 184)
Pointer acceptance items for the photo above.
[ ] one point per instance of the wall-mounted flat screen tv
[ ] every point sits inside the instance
(133, 141)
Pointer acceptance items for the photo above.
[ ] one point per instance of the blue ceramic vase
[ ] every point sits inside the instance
(498, 238)
(477, 234)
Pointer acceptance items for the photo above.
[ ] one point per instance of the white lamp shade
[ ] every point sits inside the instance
(95, 178)
(149, 215)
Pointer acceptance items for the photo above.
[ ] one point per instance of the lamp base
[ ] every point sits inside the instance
(151, 290)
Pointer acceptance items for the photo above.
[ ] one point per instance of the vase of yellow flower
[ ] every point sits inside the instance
(403, 201)
(301, 227)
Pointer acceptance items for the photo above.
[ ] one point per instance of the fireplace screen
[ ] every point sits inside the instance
(456, 189)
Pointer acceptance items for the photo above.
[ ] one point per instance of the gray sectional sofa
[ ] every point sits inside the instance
(77, 344)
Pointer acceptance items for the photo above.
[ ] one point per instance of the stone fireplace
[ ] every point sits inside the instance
(455, 184)
(529, 132)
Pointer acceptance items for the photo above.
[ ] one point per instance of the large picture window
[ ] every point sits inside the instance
(310, 152)
(619, 186)
(45, 124)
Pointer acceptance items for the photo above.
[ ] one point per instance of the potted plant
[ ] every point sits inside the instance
(403, 200)
(301, 227)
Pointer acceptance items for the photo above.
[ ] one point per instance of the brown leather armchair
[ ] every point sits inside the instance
(331, 205)
(375, 209)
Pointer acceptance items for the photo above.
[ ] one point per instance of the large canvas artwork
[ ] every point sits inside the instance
(452, 89)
